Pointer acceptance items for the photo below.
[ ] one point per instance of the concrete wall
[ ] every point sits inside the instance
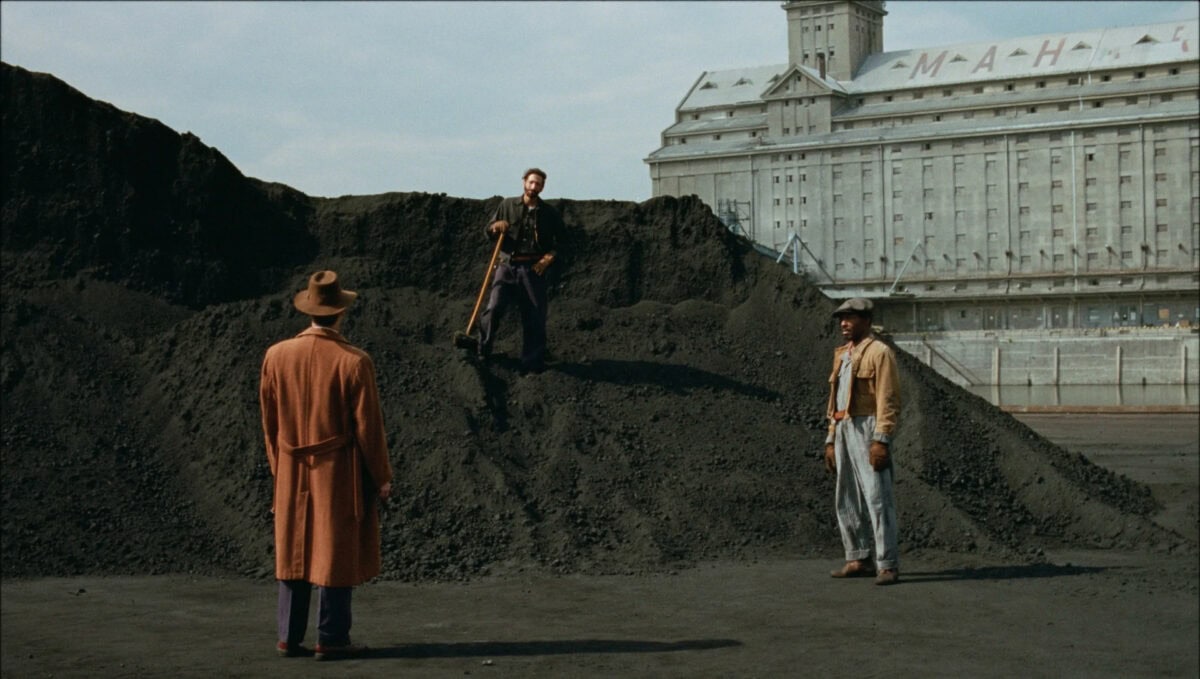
(1098, 357)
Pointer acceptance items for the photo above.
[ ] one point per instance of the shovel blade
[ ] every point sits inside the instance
(465, 341)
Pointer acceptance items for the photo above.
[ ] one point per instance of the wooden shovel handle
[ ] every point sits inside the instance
(487, 278)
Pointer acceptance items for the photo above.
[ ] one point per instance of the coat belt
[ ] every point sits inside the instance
(305, 455)
(329, 445)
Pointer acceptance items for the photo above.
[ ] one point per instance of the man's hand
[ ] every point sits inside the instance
(385, 491)
(542, 264)
(498, 226)
(880, 456)
(830, 462)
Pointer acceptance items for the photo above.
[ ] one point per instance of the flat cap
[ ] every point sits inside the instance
(855, 305)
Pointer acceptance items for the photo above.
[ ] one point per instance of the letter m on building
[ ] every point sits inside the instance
(926, 67)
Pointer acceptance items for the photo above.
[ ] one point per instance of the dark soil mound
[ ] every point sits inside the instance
(681, 418)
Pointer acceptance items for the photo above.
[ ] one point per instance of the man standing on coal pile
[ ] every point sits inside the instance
(864, 410)
(329, 459)
(531, 229)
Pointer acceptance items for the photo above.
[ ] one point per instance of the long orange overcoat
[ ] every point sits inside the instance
(328, 453)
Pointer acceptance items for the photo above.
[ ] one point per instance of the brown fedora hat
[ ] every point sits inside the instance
(324, 295)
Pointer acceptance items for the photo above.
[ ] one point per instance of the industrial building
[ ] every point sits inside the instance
(1036, 183)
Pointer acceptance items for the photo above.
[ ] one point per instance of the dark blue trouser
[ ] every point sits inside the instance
(333, 613)
(520, 281)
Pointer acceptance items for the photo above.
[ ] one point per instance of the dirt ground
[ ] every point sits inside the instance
(1085, 613)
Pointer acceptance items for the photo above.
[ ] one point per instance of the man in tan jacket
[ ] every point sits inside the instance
(863, 410)
(328, 454)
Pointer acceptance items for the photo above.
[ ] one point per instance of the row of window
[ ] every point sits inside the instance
(901, 121)
(1014, 86)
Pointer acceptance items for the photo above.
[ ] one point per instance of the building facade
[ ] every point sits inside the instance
(1051, 181)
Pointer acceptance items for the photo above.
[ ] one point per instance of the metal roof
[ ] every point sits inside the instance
(1046, 54)
(731, 87)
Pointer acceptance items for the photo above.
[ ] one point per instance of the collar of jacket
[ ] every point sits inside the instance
(861, 346)
(520, 200)
(857, 351)
(327, 333)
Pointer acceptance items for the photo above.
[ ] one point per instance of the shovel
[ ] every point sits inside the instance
(463, 340)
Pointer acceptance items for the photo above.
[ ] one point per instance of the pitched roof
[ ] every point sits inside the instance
(1047, 54)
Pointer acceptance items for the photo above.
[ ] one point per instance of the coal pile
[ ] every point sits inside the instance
(681, 417)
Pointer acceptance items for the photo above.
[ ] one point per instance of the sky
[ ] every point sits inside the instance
(358, 98)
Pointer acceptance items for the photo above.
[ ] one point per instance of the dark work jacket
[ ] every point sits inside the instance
(532, 232)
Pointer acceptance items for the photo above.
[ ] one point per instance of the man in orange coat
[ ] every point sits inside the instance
(328, 454)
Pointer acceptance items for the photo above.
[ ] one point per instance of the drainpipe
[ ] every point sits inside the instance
(1144, 246)
(1074, 218)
